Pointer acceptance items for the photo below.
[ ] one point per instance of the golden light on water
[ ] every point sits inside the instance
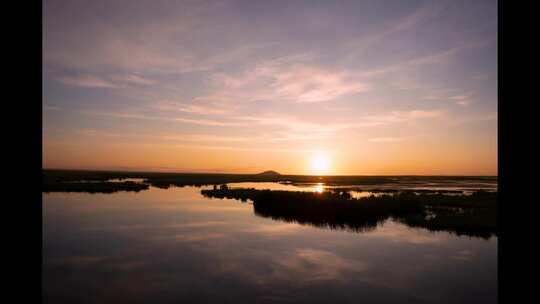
(319, 188)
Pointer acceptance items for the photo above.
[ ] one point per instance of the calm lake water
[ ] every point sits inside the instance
(176, 246)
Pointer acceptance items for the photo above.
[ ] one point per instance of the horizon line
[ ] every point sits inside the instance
(225, 173)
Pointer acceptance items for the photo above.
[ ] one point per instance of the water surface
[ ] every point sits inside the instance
(174, 245)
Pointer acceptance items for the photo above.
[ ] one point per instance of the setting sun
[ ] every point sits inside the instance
(320, 164)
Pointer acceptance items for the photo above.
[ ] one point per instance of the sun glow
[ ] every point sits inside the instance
(320, 163)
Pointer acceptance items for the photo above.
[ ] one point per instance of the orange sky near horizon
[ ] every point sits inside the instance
(391, 159)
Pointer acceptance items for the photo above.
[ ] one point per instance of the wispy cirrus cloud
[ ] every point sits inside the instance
(203, 138)
(195, 106)
(110, 82)
(117, 41)
(186, 120)
(386, 139)
(133, 79)
(286, 81)
(421, 15)
(462, 100)
(290, 123)
(88, 81)
(435, 58)
(298, 128)
(475, 119)
(269, 129)
(399, 117)
(268, 137)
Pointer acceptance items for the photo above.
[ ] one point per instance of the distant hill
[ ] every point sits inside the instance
(269, 172)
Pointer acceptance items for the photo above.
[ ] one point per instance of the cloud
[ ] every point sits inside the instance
(201, 141)
(198, 105)
(421, 15)
(237, 148)
(195, 121)
(114, 81)
(289, 128)
(430, 97)
(282, 121)
(462, 100)
(459, 97)
(203, 138)
(87, 81)
(134, 79)
(436, 58)
(419, 114)
(297, 129)
(309, 84)
(261, 129)
(285, 81)
(98, 37)
(398, 117)
(474, 119)
(386, 139)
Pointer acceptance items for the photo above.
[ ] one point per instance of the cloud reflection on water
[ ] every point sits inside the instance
(158, 246)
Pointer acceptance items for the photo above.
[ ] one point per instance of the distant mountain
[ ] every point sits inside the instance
(269, 172)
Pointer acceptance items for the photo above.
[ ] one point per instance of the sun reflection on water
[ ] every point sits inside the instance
(319, 188)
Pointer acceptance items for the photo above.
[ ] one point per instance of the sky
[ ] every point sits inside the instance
(299, 87)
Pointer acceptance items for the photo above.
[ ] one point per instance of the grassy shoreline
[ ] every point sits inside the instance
(473, 215)
(94, 187)
(166, 180)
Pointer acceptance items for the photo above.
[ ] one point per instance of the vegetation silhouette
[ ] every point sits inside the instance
(166, 180)
(473, 215)
(94, 187)
(377, 190)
